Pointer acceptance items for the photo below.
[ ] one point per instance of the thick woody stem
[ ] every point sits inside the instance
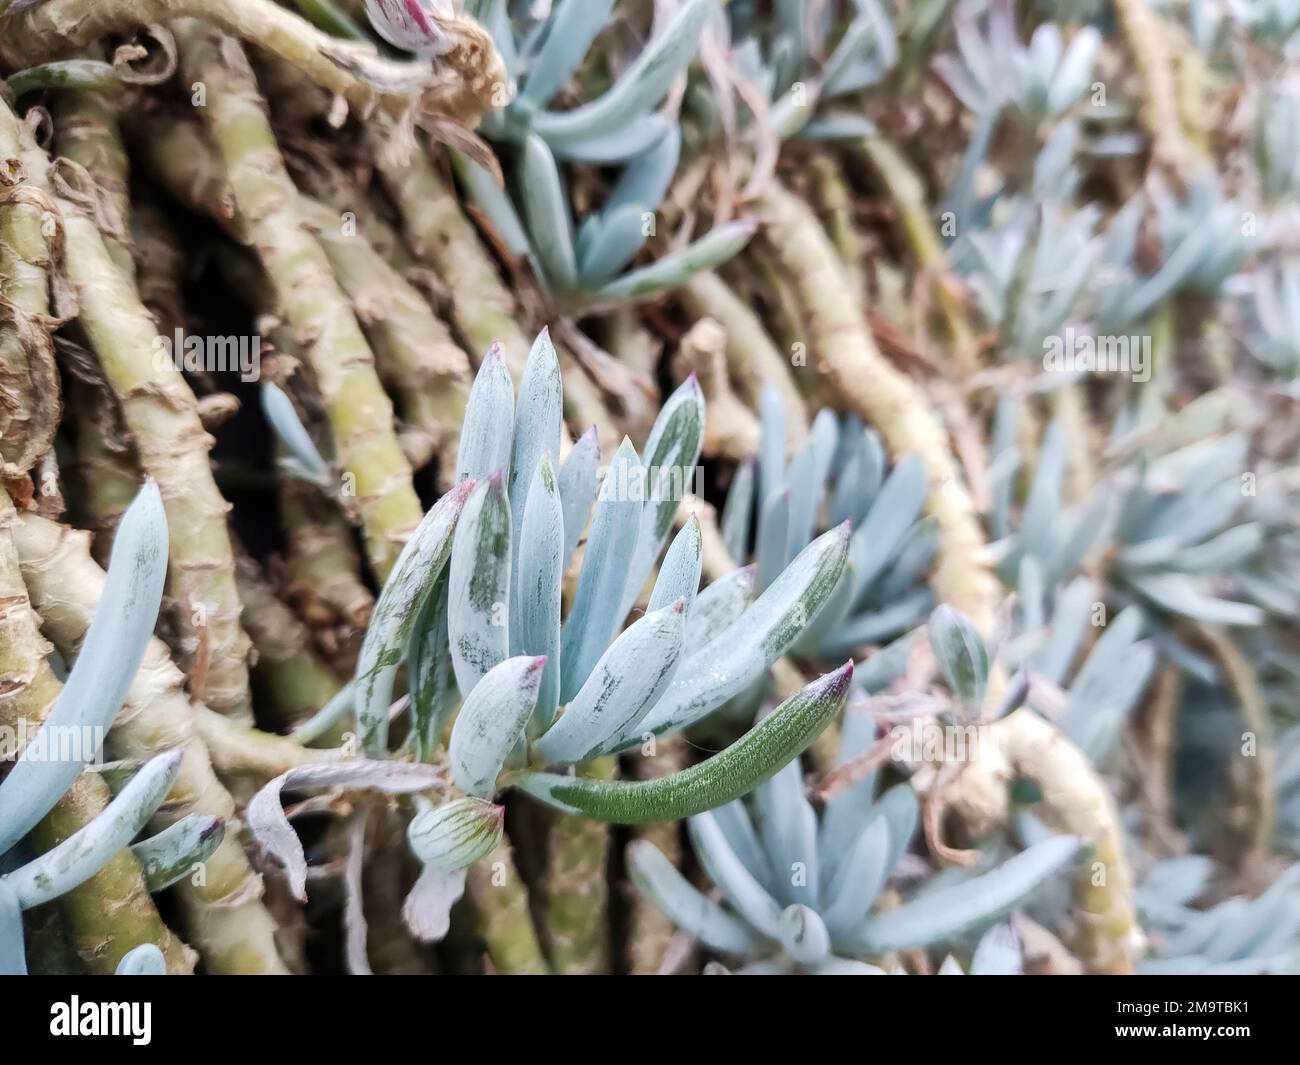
(161, 413)
(224, 914)
(1074, 797)
(111, 912)
(461, 86)
(483, 310)
(86, 131)
(908, 194)
(292, 680)
(1148, 43)
(732, 430)
(752, 358)
(29, 379)
(577, 887)
(500, 899)
(419, 360)
(359, 412)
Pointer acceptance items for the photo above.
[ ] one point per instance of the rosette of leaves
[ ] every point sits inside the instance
(797, 885)
(1029, 271)
(586, 265)
(474, 608)
(841, 475)
(805, 58)
(1238, 936)
(992, 70)
(1172, 525)
(1203, 239)
(49, 763)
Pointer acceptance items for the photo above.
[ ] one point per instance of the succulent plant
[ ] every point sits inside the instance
(798, 888)
(1203, 241)
(1172, 526)
(1274, 317)
(840, 475)
(991, 69)
(69, 738)
(489, 629)
(805, 59)
(586, 265)
(1238, 936)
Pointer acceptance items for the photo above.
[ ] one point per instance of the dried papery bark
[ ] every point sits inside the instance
(291, 679)
(459, 87)
(316, 310)
(224, 916)
(30, 238)
(111, 912)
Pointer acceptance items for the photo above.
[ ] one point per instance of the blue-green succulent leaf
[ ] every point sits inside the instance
(598, 606)
(413, 577)
(641, 86)
(720, 604)
(174, 852)
(144, 960)
(676, 268)
(110, 655)
(84, 853)
(703, 919)
(579, 479)
(487, 434)
(626, 683)
(550, 223)
(945, 913)
(491, 721)
(536, 617)
(478, 584)
(290, 431)
(572, 28)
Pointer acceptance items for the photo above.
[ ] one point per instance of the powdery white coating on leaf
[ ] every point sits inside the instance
(86, 851)
(626, 683)
(413, 577)
(271, 829)
(491, 721)
(478, 589)
(427, 909)
(105, 667)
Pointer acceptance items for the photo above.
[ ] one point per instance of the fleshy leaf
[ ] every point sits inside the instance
(174, 852)
(703, 919)
(627, 681)
(84, 853)
(457, 833)
(144, 960)
(491, 721)
(741, 653)
(944, 913)
(597, 608)
(478, 585)
(536, 616)
(413, 577)
(105, 667)
(961, 655)
(271, 829)
(487, 435)
(725, 776)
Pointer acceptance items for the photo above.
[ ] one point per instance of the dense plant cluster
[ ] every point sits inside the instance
(580, 486)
